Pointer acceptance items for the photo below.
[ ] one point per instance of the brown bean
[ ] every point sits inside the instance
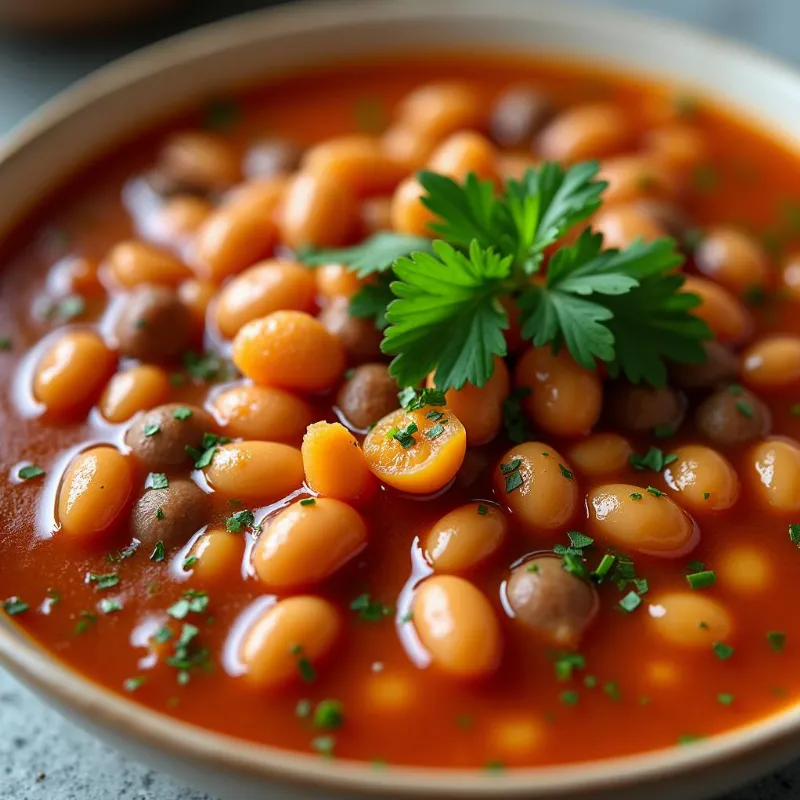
(721, 365)
(271, 156)
(644, 408)
(170, 515)
(518, 114)
(668, 216)
(367, 395)
(732, 415)
(551, 601)
(359, 337)
(199, 160)
(159, 438)
(153, 324)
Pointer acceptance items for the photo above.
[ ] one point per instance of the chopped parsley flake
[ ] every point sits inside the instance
(160, 514)
(86, 619)
(306, 669)
(328, 715)
(512, 466)
(324, 745)
(566, 663)
(654, 459)
(405, 436)
(108, 605)
(158, 480)
(159, 553)
(308, 501)
(162, 635)
(630, 602)
(240, 520)
(29, 472)
(303, 709)
(579, 540)
(188, 655)
(611, 688)
(794, 533)
(483, 510)
(777, 640)
(566, 472)
(191, 601)
(189, 562)
(745, 409)
(655, 492)
(575, 565)
(101, 582)
(689, 738)
(494, 766)
(132, 684)
(663, 431)
(204, 455)
(725, 699)
(603, 568)
(635, 495)
(723, 651)
(370, 610)
(436, 430)
(152, 429)
(569, 697)
(413, 399)
(702, 580)
(14, 605)
(182, 413)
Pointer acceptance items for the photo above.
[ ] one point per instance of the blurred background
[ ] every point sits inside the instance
(45, 45)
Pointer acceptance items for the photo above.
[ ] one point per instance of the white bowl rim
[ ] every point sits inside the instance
(61, 683)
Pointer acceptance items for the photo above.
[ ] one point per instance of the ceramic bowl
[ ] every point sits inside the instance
(131, 94)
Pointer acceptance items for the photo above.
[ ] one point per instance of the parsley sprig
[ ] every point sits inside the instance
(443, 309)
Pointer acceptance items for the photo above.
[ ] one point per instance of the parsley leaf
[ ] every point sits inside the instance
(375, 254)
(447, 316)
(371, 301)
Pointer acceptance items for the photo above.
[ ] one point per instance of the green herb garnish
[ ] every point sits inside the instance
(624, 308)
(328, 715)
(240, 520)
(132, 684)
(370, 610)
(777, 640)
(306, 669)
(158, 480)
(101, 582)
(723, 651)
(654, 459)
(14, 605)
(702, 580)
(375, 254)
(29, 472)
(159, 552)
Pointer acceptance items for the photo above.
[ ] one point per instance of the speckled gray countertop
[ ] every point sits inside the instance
(43, 757)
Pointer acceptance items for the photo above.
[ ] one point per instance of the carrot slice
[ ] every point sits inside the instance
(417, 451)
(334, 463)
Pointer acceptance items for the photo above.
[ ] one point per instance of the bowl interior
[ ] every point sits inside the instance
(136, 92)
